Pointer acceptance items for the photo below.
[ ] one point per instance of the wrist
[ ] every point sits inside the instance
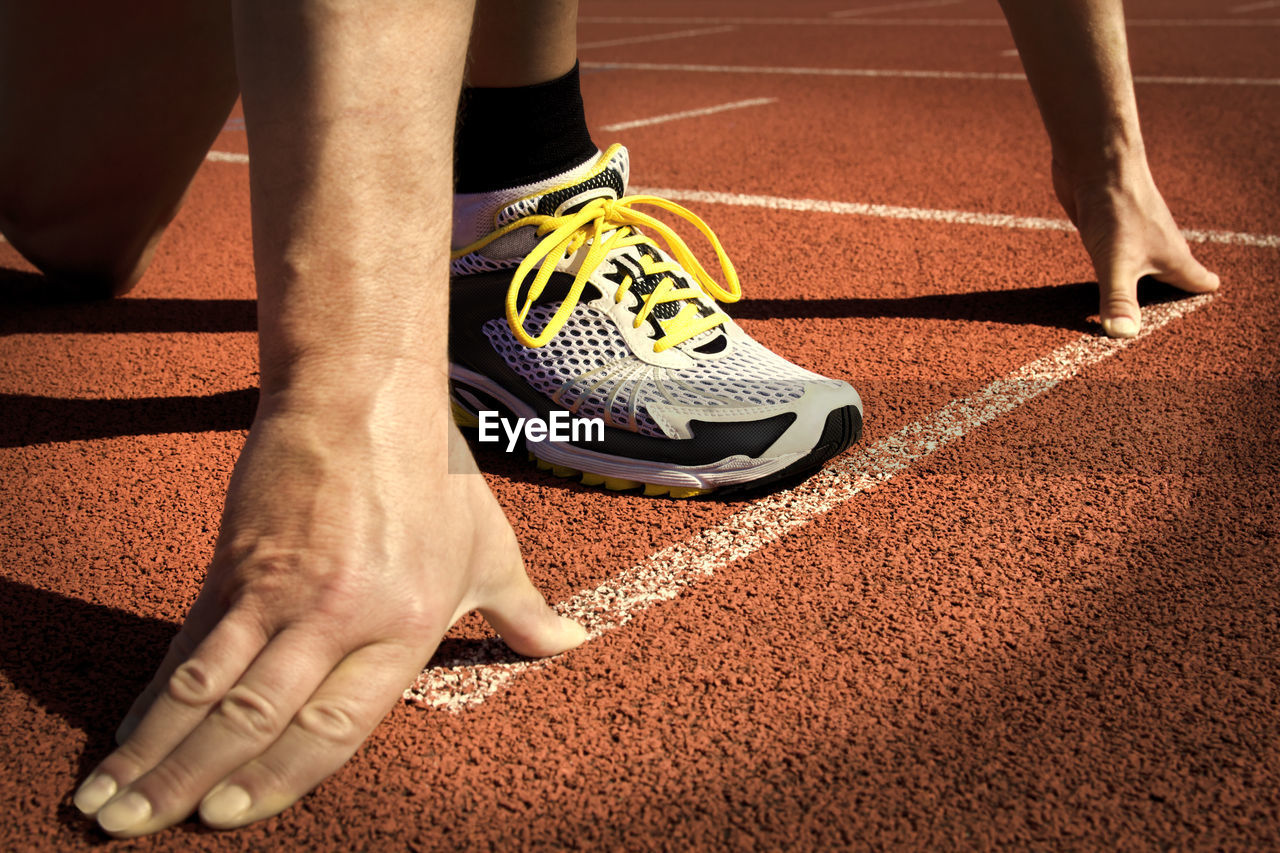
(356, 393)
(1117, 158)
(355, 372)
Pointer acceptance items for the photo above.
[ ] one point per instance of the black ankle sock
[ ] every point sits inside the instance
(509, 137)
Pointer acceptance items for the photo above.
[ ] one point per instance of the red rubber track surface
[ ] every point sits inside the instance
(1060, 630)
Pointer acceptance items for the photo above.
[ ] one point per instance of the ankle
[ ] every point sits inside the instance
(508, 137)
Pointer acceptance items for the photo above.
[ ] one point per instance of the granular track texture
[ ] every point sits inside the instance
(1058, 631)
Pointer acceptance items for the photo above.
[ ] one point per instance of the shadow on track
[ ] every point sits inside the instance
(83, 662)
(32, 305)
(1065, 306)
(37, 306)
(31, 419)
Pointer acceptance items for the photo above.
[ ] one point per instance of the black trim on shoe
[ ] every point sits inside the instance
(842, 429)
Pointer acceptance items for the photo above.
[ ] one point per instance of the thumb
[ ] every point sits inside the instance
(518, 612)
(1118, 299)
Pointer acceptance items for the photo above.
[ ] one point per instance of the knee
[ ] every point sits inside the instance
(88, 251)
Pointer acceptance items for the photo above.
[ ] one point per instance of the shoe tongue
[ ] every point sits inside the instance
(634, 262)
(607, 179)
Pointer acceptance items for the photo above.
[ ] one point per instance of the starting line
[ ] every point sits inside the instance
(466, 682)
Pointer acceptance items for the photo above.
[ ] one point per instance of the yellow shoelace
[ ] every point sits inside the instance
(562, 236)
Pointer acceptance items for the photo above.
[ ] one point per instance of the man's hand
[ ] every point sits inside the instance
(351, 541)
(343, 559)
(1077, 61)
(1129, 233)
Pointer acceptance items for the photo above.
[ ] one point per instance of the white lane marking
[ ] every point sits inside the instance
(958, 217)
(912, 22)
(1207, 81)
(803, 72)
(1013, 51)
(893, 7)
(1254, 7)
(463, 683)
(226, 157)
(903, 74)
(704, 111)
(889, 211)
(680, 34)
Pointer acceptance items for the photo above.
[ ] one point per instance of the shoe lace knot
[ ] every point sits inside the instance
(605, 225)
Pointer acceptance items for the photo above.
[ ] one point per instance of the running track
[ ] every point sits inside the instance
(1037, 606)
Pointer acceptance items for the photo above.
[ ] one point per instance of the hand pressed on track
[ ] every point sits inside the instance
(1128, 231)
(345, 554)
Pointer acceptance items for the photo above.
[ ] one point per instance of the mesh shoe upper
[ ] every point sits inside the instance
(645, 347)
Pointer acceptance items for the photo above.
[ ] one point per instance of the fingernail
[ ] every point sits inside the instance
(95, 791)
(224, 805)
(125, 812)
(1120, 327)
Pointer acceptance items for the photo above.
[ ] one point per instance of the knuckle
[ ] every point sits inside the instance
(127, 763)
(168, 786)
(250, 577)
(1117, 298)
(249, 713)
(327, 720)
(192, 684)
(268, 779)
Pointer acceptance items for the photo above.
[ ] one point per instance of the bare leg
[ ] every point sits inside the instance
(1076, 58)
(522, 42)
(349, 544)
(105, 115)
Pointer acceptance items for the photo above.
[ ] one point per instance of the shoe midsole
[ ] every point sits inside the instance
(730, 470)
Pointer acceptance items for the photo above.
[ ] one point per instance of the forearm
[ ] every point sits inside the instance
(349, 108)
(1076, 59)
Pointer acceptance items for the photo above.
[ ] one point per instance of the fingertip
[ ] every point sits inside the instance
(542, 636)
(126, 815)
(94, 793)
(1191, 276)
(1120, 327)
(225, 807)
(573, 633)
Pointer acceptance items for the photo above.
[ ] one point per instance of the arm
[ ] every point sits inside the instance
(353, 535)
(1076, 58)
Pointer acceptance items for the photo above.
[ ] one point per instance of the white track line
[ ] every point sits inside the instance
(888, 211)
(1254, 7)
(804, 72)
(896, 73)
(680, 34)
(911, 22)
(957, 217)
(463, 683)
(226, 157)
(704, 111)
(893, 7)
